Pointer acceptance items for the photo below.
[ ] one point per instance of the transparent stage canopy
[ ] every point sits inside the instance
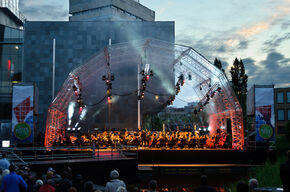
(83, 104)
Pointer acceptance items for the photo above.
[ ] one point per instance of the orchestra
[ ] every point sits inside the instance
(148, 139)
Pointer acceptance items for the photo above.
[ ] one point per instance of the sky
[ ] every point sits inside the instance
(256, 31)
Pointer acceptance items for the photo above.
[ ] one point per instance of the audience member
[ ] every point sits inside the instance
(121, 189)
(204, 187)
(89, 186)
(65, 183)
(47, 187)
(152, 186)
(115, 183)
(13, 182)
(4, 162)
(78, 182)
(285, 173)
(253, 183)
(242, 187)
(37, 185)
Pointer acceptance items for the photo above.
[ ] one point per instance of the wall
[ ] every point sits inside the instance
(76, 42)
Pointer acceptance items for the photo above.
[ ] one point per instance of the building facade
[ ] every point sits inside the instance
(80, 39)
(11, 47)
(282, 109)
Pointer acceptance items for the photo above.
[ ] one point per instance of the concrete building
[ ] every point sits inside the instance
(91, 26)
(109, 10)
(11, 47)
(282, 109)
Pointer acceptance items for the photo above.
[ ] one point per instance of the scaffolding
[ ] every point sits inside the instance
(167, 61)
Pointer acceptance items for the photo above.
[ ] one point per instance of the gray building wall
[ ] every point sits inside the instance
(76, 42)
(93, 10)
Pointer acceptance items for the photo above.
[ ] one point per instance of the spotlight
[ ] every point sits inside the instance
(151, 73)
(81, 109)
(143, 72)
(79, 128)
(147, 77)
(200, 88)
(112, 77)
(73, 129)
(189, 77)
(104, 77)
(68, 129)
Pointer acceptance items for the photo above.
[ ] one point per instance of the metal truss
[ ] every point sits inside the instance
(163, 58)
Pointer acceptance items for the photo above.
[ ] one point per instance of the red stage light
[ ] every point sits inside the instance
(147, 77)
(109, 99)
(81, 109)
(76, 93)
(9, 64)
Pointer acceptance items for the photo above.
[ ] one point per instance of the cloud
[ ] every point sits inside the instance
(43, 10)
(275, 69)
(275, 42)
(243, 44)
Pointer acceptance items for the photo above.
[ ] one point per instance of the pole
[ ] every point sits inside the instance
(53, 68)
(109, 76)
(139, 101)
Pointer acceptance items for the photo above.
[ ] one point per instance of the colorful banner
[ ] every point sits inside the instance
(265, 120)
(22, 113)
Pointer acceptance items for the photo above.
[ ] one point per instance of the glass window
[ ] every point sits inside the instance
(288, 97)
(280, 97)
(281, 115)
(288, 114)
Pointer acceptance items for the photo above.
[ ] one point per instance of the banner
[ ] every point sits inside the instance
(22, 113)
(265, 120)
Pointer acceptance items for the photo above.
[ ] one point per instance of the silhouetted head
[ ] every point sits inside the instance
(253, 183)
(114, 174)
(153, 185)
(203, 180)
(12, 168)
(242, 187)
(89, 185)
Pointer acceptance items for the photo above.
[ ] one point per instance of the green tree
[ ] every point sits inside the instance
(239, 78)
(239, 85)
(218, 64)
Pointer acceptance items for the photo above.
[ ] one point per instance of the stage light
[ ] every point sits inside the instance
(109, 99)
(209, 84)
(147, 77)
(209, 128)
(73, 129)
(156, 97)
(219, 89)
(104, 77)
(200, 88)
(79, 128)
(189, 77)
(143, 72)
(68, 129)
(81, 109)
(107, 81)
(112, 77)
(151, 73)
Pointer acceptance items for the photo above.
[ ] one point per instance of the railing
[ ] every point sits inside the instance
(28, 155)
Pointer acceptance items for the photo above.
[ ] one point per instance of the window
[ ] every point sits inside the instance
(288, 115)
(280, 97)
(281, 115)
(288, 97)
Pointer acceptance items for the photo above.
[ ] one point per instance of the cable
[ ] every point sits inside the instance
(97, 102)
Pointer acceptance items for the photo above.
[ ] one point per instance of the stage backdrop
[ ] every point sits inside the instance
(265, 120)
(22, 113)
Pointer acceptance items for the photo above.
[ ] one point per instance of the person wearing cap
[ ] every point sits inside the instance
(115, 183)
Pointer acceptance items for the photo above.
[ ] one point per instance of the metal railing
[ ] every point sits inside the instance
(26, 155)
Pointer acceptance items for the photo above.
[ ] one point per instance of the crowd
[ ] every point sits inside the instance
(13, 179)
(148, 139)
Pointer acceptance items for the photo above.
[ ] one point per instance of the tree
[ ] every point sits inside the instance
(239, 78)
(239, 85)
(218, 64)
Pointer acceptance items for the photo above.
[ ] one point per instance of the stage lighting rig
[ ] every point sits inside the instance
(146, 73)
